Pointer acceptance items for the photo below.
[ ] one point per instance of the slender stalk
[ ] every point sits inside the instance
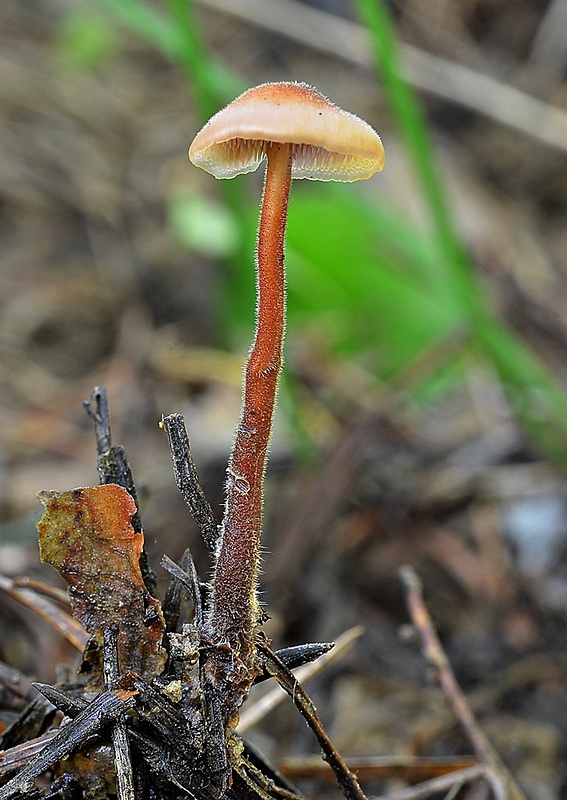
(234, 611)
(503, 783)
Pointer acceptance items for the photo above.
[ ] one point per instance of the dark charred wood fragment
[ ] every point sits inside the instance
(187, 480)
(113, 467)
(66, 787)
(298, 655)
(35, 718)
(183, 600)
(98, 714)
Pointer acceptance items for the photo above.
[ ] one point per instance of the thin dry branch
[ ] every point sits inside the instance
(251, 715)
(495, 771)
(345, 779)
(441, 784)
(59, 619)
(412, 769)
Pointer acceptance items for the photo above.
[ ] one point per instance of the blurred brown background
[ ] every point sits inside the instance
(96, 289)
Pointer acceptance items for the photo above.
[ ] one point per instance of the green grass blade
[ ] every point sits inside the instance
(406, 108)
(536, 397)
(176, 37)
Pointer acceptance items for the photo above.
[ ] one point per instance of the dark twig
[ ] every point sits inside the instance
(500, 778)
(70, 704)
(103, 710)
(101, 418)
(112, 463)
(113, 467)
(119, 733)
(286, 679)
(299, 655)
(187, 479)
(154, 741)
(186, 584)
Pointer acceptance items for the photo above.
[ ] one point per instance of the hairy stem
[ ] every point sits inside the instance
(234, 612)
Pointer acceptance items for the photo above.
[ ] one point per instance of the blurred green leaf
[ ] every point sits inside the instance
(360, 282)
(205, 226)
(85, 40)
(413, 128)
(364, 280)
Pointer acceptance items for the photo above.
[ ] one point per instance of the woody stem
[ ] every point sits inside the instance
(234, 610)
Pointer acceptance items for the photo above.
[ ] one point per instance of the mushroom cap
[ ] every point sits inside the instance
(328, 144)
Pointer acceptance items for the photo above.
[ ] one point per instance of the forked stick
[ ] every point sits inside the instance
(277, 669)
(496, 772)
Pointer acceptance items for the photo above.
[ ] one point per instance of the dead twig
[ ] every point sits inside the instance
(59, 619)
(503, 784)
(118, 730)
(187, 479)
(449, 782)
(256, 711)
(346, 780)
(113, 467)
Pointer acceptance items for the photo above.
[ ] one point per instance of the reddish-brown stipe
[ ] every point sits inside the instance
(303, 135)
(237, 565)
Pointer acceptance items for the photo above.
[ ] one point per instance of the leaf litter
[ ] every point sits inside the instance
(87, 535)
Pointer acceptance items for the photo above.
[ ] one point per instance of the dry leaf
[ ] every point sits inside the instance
(87, 535)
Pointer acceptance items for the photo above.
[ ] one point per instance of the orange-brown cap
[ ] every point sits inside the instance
(328, 144)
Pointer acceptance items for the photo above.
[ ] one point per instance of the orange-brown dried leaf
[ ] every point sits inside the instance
(87, 535)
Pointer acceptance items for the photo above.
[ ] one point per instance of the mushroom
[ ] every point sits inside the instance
(301, 134)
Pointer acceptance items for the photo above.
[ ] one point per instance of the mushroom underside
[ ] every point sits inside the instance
(237, 156)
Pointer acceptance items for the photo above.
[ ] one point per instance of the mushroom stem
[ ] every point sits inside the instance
(234, 610)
